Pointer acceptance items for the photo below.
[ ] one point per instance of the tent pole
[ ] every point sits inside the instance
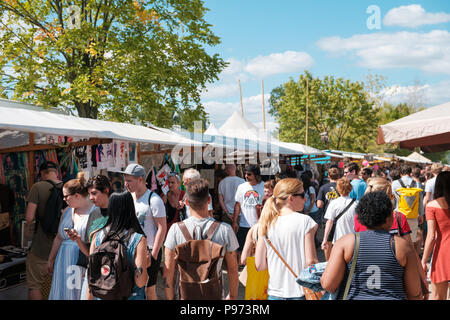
(138, 151)
(263, 110)
(307, 111)
(30, 161)
(240, 93)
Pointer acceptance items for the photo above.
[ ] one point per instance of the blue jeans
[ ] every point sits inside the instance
(279, 298)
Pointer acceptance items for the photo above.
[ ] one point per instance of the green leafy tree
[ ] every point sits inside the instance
(113, 59)
(337, 107)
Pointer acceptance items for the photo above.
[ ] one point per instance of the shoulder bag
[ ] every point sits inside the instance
(352, 269)
(333, 229)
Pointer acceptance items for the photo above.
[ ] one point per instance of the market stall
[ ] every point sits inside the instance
(428, 129)
(30, 135)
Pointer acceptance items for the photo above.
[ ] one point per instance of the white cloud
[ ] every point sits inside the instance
(228, 85)
(275, 63)
(261, 66)
(428, 52)
(426, 94)
(221, 91)
(413, 16)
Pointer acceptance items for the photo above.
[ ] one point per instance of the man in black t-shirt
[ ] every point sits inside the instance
(327, 193)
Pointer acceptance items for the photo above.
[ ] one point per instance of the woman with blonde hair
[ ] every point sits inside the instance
(291, 234)
(340, 215)
(62, 262)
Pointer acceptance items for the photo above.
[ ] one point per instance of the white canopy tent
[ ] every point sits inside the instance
(237, 127)
(428, 129)
(212, 130)
(15, 118)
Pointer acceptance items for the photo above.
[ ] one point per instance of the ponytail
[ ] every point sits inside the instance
(269, 215)
(78, 185)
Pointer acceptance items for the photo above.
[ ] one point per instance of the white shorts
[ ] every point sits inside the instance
(414, 226)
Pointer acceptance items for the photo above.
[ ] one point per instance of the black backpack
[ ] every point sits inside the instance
(53, 209)
(110, 275)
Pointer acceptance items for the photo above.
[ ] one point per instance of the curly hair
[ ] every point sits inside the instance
(373, 209)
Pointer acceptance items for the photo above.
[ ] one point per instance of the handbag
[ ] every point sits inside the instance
(257, 282)
(333, 229)
(309, 294)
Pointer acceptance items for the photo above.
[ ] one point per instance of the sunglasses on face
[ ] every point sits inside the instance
(301, 194)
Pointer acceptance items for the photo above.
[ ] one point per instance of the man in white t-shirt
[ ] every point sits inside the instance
(249, 195)
(151, 213)
(436, 168)
(228, 188)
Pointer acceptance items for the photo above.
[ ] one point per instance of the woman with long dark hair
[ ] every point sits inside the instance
(122, 221)
(438, 237)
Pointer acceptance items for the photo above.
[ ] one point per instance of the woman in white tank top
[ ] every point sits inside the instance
(291, 233)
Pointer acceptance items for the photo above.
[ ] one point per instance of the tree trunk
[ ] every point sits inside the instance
(87, 110)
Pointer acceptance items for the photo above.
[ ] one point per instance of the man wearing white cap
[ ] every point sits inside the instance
(151, 213)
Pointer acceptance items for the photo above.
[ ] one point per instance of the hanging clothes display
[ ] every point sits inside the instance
(2, 173)
(16, 176)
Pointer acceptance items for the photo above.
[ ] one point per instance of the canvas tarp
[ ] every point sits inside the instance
(15, 119)
(428, 129)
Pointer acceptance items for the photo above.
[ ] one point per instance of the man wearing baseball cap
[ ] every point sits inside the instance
(151, 213)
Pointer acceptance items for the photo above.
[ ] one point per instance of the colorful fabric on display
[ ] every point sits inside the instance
(16, 177)
(2, 174)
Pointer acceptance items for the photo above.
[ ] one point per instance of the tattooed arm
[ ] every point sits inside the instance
(140, 274)
(169, 273)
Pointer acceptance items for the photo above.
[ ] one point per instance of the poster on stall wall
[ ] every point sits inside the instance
(119, 152)
(54, 139)
(161, 177)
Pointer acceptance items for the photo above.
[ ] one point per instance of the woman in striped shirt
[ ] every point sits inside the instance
(386, 265)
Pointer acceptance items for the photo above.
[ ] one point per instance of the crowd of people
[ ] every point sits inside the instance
(377, 238)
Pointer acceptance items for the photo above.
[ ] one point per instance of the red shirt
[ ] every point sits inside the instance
(404, 226)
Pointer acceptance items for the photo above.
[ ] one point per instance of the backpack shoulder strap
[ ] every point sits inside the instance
(401, 183)
(212, 229)
(399, 223)
(184, 230)
(51, 182)
(150, 198)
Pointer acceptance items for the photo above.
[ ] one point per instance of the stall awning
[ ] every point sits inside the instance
(15, 118)
(428, 129)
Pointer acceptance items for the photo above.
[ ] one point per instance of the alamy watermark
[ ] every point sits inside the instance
(249, 147)
(374, 20)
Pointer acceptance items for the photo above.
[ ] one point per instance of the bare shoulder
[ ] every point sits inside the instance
(433, 204)
(346, 245)
(403, 249)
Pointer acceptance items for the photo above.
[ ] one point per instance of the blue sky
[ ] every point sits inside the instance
(276, 40)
